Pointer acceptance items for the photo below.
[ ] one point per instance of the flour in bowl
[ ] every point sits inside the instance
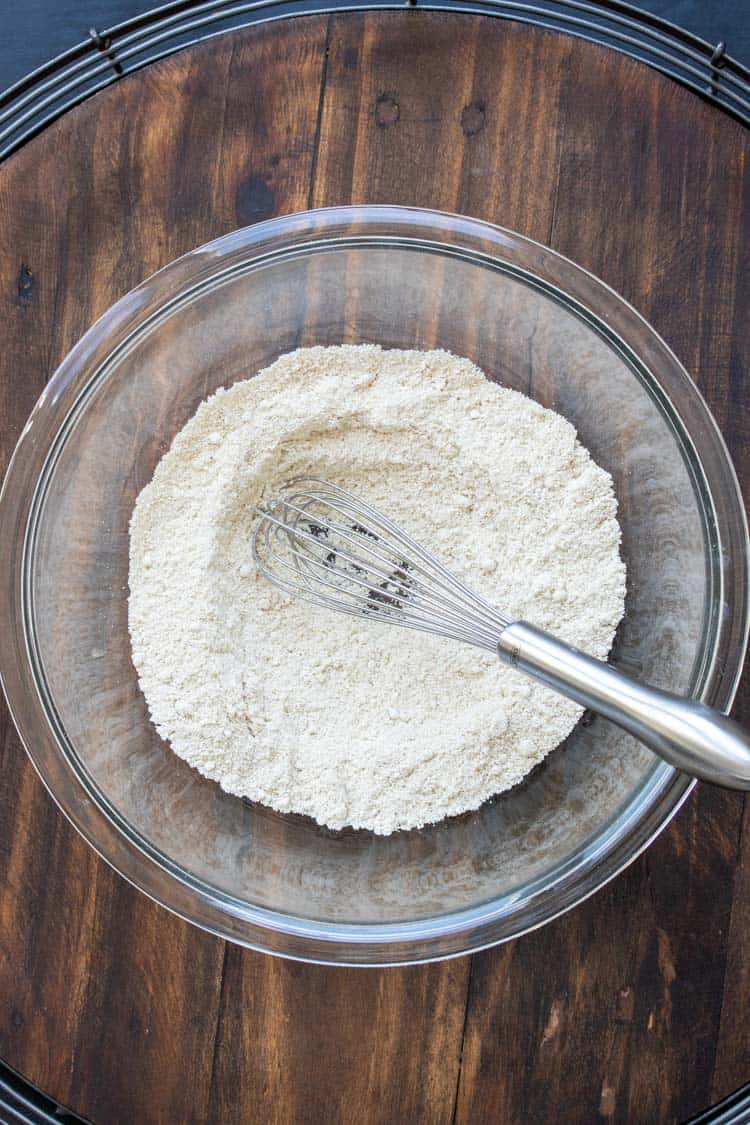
(355, 722)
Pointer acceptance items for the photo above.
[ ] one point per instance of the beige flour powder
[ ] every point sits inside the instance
(356, 722)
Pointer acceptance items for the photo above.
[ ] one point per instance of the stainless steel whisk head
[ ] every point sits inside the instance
(322, 544)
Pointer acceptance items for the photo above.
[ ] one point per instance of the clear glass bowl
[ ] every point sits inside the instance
(401, 278)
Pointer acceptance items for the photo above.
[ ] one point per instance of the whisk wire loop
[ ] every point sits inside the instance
(320, 543)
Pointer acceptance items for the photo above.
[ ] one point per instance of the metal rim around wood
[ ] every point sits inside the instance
(104, 56)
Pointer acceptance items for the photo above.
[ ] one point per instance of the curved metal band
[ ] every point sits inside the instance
(102, 57)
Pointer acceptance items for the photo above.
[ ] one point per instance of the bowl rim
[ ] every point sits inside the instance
(641, 817)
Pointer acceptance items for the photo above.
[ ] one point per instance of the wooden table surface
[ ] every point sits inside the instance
(632, 1008)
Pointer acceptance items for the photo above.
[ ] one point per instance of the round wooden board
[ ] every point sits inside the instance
(632, 1008)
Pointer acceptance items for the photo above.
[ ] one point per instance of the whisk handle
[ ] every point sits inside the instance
(685, 732)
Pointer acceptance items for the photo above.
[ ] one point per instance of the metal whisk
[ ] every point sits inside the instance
(324, 545)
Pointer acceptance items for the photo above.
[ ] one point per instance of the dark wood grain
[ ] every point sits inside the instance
(633, 1008)
(402, 125)
(316, 1044)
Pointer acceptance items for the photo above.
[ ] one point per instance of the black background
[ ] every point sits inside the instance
(33, 31)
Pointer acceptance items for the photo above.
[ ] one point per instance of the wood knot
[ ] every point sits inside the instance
(473, 118)
(608, 1100)
(387, 111)
(552, 1028)
(625, 1005)
(254, 200)
(25, 285)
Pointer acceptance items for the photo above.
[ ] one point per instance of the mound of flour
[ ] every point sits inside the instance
(356, 722)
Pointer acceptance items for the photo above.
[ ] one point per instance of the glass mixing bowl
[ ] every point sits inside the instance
(401, 278)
